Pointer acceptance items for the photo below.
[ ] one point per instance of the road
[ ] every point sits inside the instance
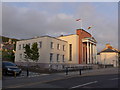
(106, 80)
(98, 81)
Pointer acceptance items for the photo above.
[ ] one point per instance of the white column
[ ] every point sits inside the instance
(95, 54)
(87, 52)
(90, 54)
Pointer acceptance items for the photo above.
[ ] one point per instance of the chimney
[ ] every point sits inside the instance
(108, 46)
(78, 31)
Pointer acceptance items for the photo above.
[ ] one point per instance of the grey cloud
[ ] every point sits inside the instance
(104, 30)
(22, 24)
(30, 22)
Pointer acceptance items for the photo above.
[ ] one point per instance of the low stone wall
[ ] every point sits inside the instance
(42, 65)
(54, 66)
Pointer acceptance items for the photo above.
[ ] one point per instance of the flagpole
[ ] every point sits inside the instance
(91, 30)
(81, 24)
(91, 33)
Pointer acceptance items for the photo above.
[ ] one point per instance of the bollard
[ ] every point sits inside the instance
(80, 71)
(15, 74)
(66, 70)
(27, 72)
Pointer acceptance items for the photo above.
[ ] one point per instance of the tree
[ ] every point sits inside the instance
(27, 56)
(27, 52)
(34, 52)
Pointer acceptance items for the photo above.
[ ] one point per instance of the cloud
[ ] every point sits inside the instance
(105, 28)
(55, 19)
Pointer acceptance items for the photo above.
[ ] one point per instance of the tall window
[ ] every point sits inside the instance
(29, 44)
(58, 46)
(19, 47)
(23, 46)
(63, 47)
(52, 45)
(70, 52)
(51, 57)
(40, 44)
(57, 57)
(63, 58)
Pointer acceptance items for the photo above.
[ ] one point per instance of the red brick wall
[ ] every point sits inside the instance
(82, 34)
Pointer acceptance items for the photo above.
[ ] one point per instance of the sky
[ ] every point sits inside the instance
(23, 20)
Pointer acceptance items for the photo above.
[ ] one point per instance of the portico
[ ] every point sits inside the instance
(89, 50)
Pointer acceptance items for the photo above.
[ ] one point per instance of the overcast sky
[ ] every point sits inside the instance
(26, 20)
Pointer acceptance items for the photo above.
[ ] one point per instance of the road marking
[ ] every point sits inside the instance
(84, 84)
(114, 78)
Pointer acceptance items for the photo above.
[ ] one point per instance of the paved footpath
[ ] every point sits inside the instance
(92, 72)
(43, 78)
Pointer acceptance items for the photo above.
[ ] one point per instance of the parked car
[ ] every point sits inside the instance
(9, 68)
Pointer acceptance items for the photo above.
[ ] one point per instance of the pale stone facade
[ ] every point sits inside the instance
(72, 40)
(108, 56)
(49, 54)
(57, 52)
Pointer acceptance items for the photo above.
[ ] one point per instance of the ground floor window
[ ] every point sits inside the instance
(51, 57)
(57, 57)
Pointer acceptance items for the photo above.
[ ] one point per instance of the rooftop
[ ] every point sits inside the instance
(42, 37)
(109, 50)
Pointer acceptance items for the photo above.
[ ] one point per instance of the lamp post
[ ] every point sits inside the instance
(104, 60)
(113, 63)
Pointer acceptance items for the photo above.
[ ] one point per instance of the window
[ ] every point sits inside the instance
(63, 58)
(51, 57)
(21, 56)
(57, 57)
(29, 44)
(23, 46)
(63, 47)
(40, 44)
(52, 45)
(70, 52)
(19, 47)
(58, 46)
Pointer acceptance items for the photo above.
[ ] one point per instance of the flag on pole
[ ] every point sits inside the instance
(78, 19)
(90, 27)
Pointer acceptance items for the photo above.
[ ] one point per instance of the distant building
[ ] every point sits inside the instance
(56, 52)
(108, 56)
(7, 49)
(7, 45)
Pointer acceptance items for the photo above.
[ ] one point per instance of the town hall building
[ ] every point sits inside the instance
(58, 52)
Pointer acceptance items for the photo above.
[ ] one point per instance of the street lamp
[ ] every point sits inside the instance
(113, 63)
